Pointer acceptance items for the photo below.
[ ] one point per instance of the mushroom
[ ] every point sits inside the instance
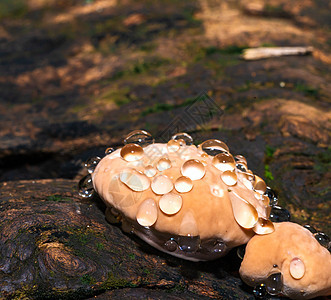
(192, 202)
(289, 262)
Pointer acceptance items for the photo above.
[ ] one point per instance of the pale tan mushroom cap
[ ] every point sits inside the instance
(206, 210)
(289, 242)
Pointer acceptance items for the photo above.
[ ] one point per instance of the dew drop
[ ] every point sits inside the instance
(310, 228)
(183, 136)
(91, 163)
(263, 226)
(173, 146)
(323, 239)
(132, 152)
(224, 162)
(241, 167)
(163, 164)
(189, 243)
(193, 169)
(150, 171)
(85, 187)
(260, 291)
(240, 159)
(214, 147)
(171, 245)
(162, 185)
(229, 178)
(134, 180)
(170, 203)
(272, 196)
(279, 214)
(274, 284)
(109, 150)
(297, 268)
(259, 185)
(216, 190)
(147, 213)
(244, 212)
(183, 184)
(219, 247)
(139, 137)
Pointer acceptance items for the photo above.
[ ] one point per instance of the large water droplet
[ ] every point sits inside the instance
(183, 184)
(150, 171)
(241, 167)
(193, 169)
(224, 162)
(229, 178)
(259, 185)
(139, 137)
(274, 284)
(171, 245)
(91, 163)
(323, 239)
(173, 146)
(214, 147)
(279, 214)
(272, 196)
(240, 159)
(85, 187)
(183, 136)
(163, 164)
(244, 212)
(109, 150)
(170, 203)
(132, 152)
(260, 291)
(162, 185)
(189, 243)
(134, 180)
(263, 226)
(297, 268)
(310, 228)
(147, 213)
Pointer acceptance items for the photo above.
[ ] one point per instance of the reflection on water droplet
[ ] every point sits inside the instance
(259, 185)
(109, 150)
(297, 268)
(214, 147)
(240, 159)
(132, 152)
(139, 137)
(91, 163)
(229, 178)
(134, 180)
(323, 239)
(173, 146)
(163, 164)
(85, 187)
(241, 251)
(224, 162)
(193, 169)
(150, 171)
(260, 291)
(272, 196)
(241, 167)
(310, 228)
(170, 203)
(111, 216)
(189, 243)
(279, 214)
(263, 226)
(183, 184)
(147, 213)
(274, 284)
(171, 245)
(183, 136)
(219, 247)
(162, 185)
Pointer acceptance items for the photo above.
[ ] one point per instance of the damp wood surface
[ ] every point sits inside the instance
(75, 78)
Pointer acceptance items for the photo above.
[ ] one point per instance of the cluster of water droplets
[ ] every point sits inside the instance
(321, 237)
(273, 286)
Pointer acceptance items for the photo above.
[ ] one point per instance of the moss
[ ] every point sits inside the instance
(132, 256)
(87, 279)
(113, 282)
(267, 173)
(13, 8)
(100, 246)
(269, 151)
(57, 198)
(306, 89)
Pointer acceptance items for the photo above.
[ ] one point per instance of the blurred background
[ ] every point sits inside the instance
(77, 76)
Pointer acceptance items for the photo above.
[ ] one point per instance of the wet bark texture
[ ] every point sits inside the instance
(76, 77)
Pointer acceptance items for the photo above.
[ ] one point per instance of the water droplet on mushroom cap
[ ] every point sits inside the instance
(170, 203)
(91, 163)
(85, 187)
(139, 137)
(161, 185)
(274, 284)
(279, 214)
(147, 213)
(134, 180)
(310, 228)
(171, 245)
(244, 213)
(297, 268)
(173, 146)
(183, 136)
(322, 238)
(263, 226)
(188, 239)
(259, 185)
(240, 159)
(150, 171)
(272, 196)
(241, 167)
(224, 162)
(189, 243)
(193, 169)
(219, 247)
(163, 164)
(229, 178)
(183, 184)
(132, 152)
(260, 291)
(214, 147)
(109, 150)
